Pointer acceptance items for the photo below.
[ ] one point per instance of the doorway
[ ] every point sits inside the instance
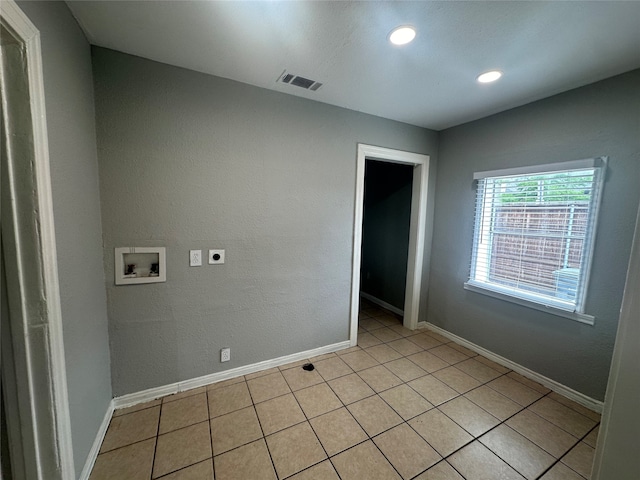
(420, 167)
(385, 234)
(33, 364)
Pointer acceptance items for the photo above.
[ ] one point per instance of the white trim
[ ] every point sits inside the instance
(131, 399)
(36, 273)
(590, 246)
(382, 303)
(549, 167)
(97, 443)
(358, 217)
(582, 399)
(416, 231)
(508, 297)
(479, 281)
(416, 238)
(20, 23)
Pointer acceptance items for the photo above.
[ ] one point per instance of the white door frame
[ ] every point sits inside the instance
(31, 266)
(420, 165)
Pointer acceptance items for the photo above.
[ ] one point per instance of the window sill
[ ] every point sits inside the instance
(578, 317)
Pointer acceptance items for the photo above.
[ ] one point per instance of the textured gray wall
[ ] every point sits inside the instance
(76, 207)
(385, 231)
(191, 161)
(599, 119)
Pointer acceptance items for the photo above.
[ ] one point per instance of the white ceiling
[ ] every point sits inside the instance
(543, 48)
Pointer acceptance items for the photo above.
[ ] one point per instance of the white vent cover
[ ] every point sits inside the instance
(299, 81)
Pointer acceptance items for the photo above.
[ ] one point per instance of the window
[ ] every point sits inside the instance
(534, 233)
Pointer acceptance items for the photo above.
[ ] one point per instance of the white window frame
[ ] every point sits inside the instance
(555, 307)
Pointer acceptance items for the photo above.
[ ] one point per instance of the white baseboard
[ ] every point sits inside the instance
(97, 443)
(382, 303)
(157, 392)
(591, 403)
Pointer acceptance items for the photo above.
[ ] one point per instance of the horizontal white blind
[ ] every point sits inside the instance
(533, 234)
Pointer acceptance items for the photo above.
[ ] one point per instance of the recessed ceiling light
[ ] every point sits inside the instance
(490, 76)
(402, 35)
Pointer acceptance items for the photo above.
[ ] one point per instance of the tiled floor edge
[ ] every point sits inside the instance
(135, 398)
(581, 398)
(97, 443)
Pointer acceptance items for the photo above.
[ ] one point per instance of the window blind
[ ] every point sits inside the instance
(534, 231)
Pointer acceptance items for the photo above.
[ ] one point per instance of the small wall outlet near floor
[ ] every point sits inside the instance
(225, 354)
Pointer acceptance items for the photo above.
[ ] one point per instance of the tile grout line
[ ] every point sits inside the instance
(345, 406)
(155, 447)
(213, 465)
(526, 407)
(128, 445)
(383, 454)
(310, 425)
(558, 426)
(180, 469)
(264, 436)
(442, 458)
(474, 438)
(496, 453)
(380, 433)
(559, 459)
(369, 437)
(501, 422)
(182, 428)
(404, 422)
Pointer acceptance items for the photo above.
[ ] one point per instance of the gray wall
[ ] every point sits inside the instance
(76, 207)
(191, 161)
(385, 231)
(599, 119)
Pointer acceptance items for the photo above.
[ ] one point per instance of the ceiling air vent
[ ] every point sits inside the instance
(299, 81)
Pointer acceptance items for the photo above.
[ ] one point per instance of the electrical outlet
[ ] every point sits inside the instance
(195, 258)
(216, 257)
(225, 354)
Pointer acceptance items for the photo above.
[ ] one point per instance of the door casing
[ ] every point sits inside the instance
(30, 259)
(417, 228)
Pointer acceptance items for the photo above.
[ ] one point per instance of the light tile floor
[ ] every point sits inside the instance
(402, 405)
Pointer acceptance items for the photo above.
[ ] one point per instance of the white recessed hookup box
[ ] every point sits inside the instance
(135, 265)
